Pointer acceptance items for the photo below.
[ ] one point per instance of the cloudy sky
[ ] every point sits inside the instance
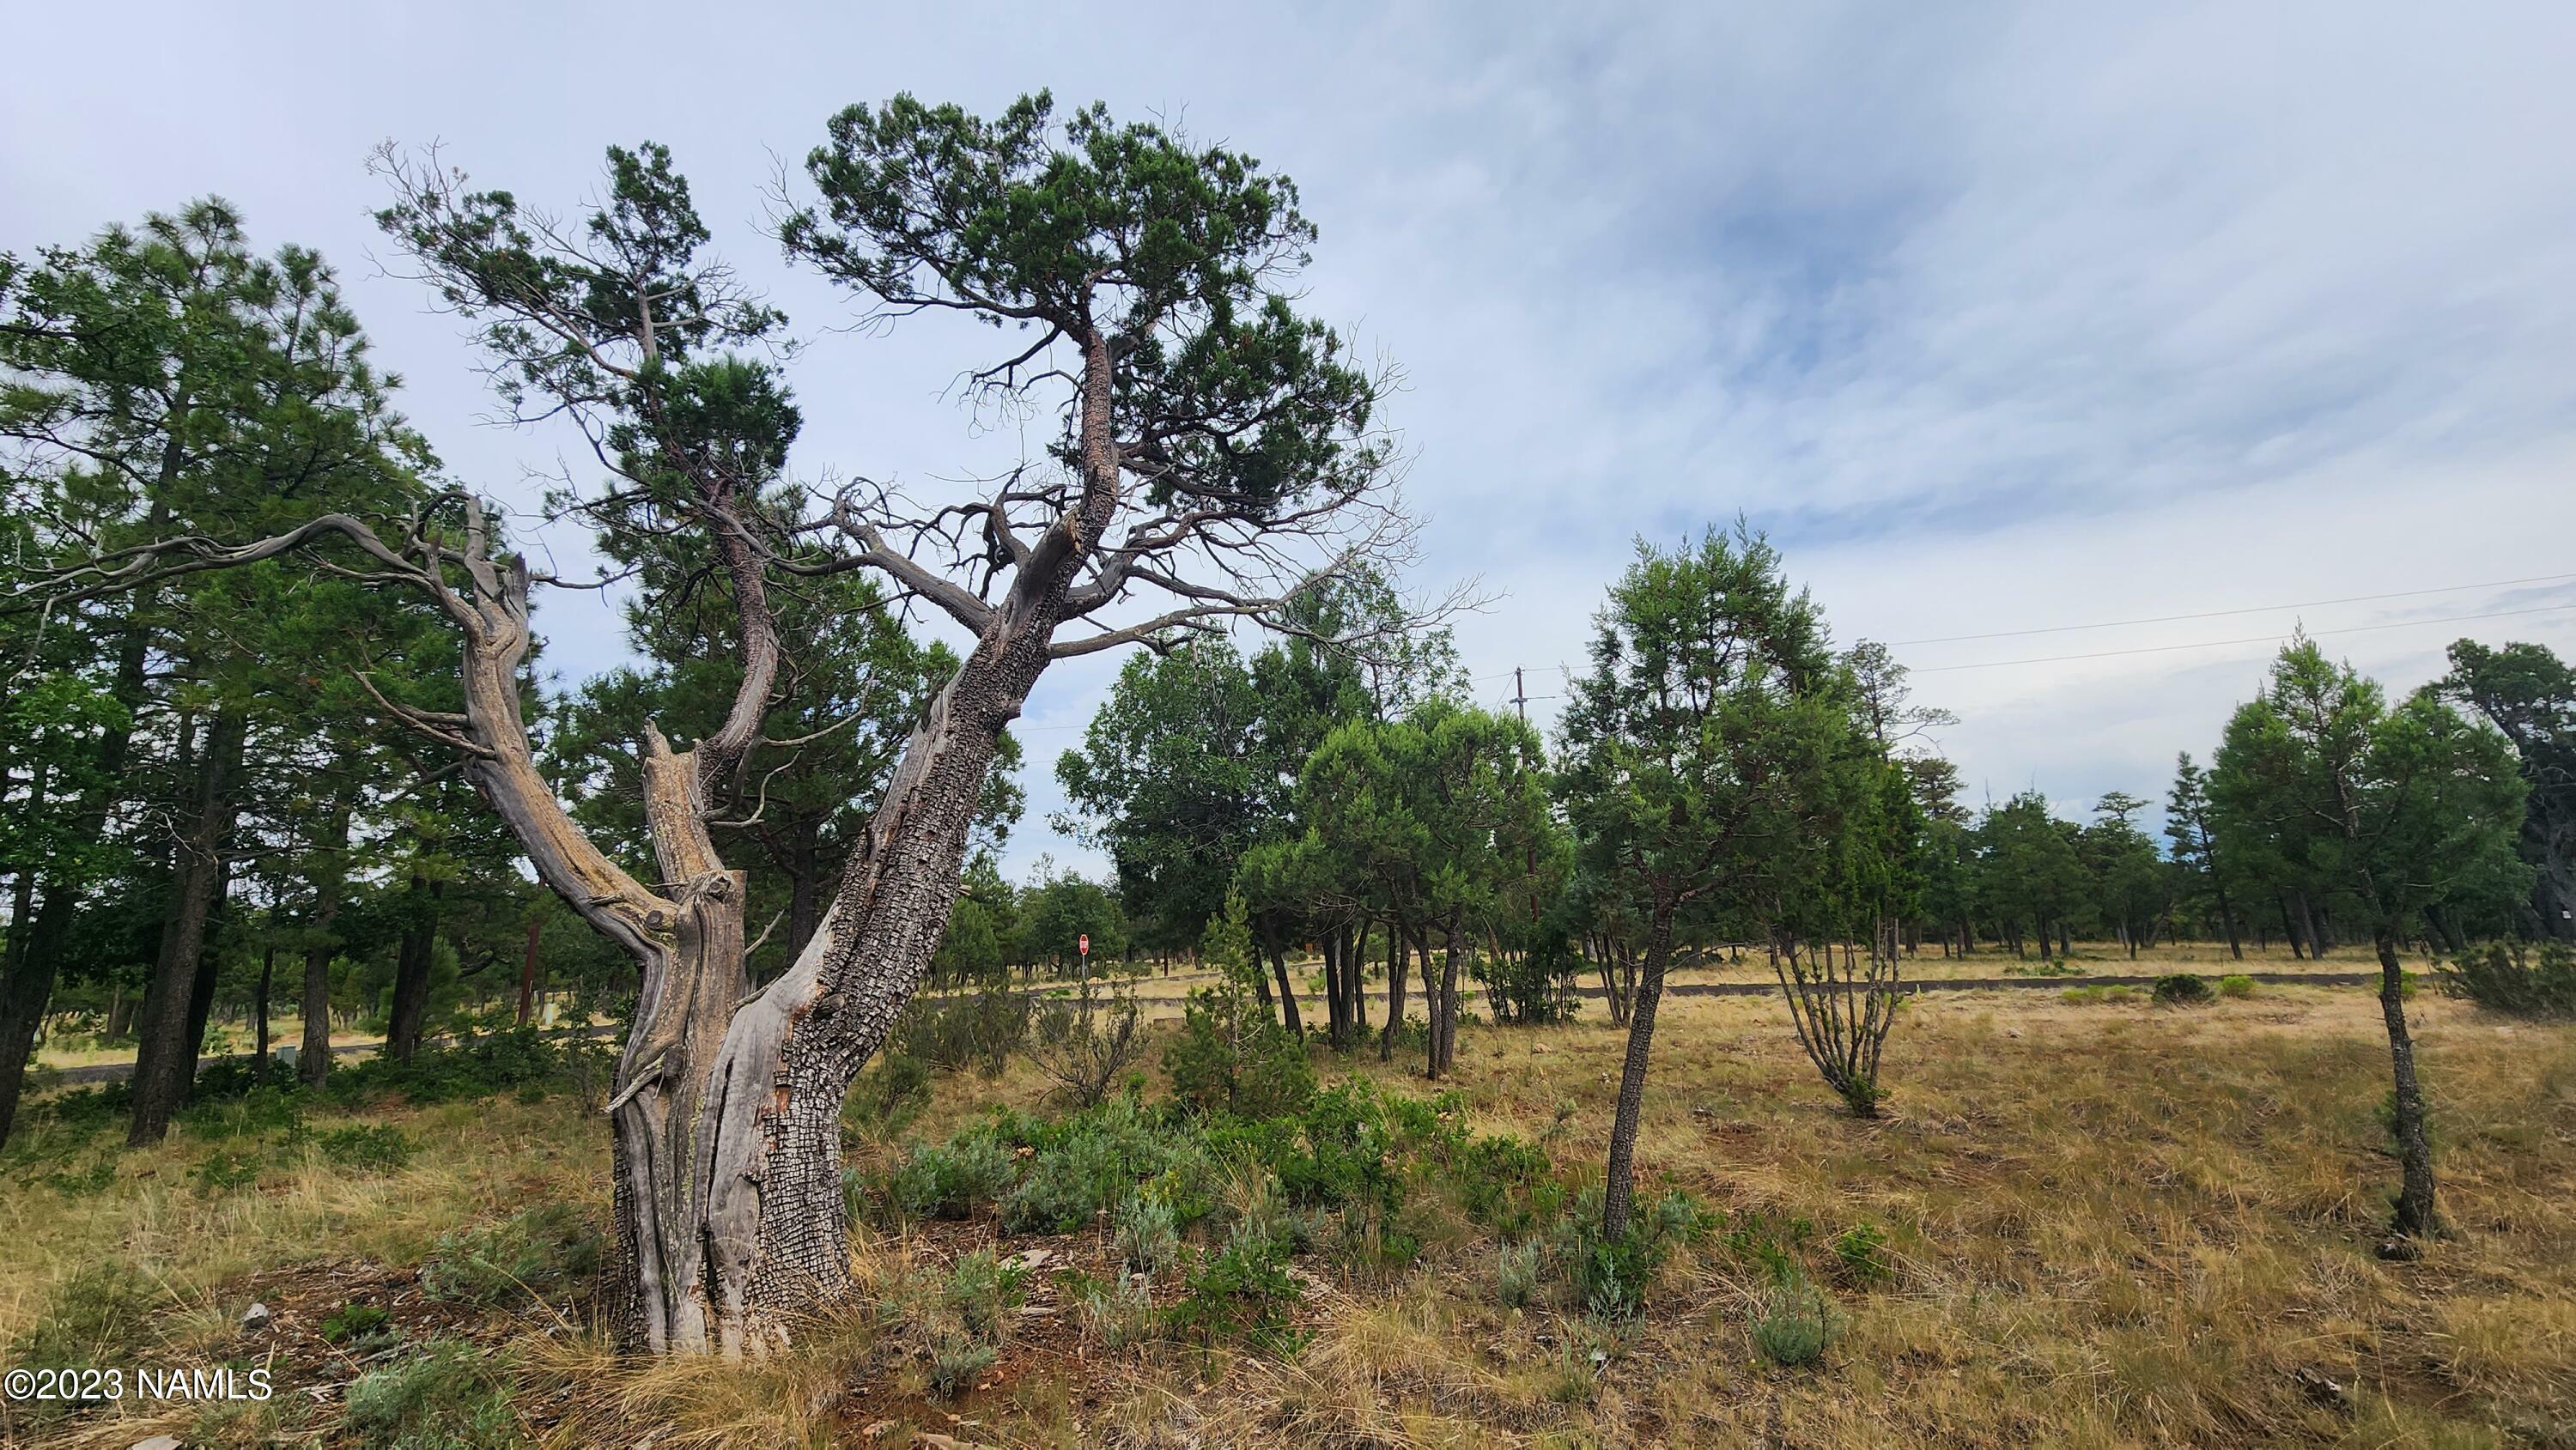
(1998, 318)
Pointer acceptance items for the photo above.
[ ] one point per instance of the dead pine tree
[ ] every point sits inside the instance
(1217, 453)
(1842, 1002)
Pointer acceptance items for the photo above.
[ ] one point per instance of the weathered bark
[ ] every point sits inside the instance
(730, 1205)
(776, 1231)
(1618, 1192)
(166, 1057)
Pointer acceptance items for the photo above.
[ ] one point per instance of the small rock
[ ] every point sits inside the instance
(2322, 1389)
(256, 1318)
(1030, 1260)
(2398, 1249)
(160, 1442)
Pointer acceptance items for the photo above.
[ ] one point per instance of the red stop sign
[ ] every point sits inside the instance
(1086, 943)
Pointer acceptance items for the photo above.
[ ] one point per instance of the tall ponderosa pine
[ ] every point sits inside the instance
(2194, 845)
(165, 381)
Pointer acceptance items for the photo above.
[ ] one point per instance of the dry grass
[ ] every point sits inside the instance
(2108, 1225)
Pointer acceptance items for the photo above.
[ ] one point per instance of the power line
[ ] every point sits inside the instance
(2251, 639)
(2222, 613)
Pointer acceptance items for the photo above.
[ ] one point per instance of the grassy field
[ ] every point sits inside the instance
(1162, 991)
(2105, 1223)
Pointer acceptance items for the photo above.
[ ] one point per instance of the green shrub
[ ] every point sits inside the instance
(252, 1113)
(1862, 1252)
(1088, 1042)
(227, 1168)
(1231, 1057)
(2043, 969)
(525, 1257)
(1798, 1323)
(474, 1066)
(2236, 985)
(1149, 1234)
(1242, 1289)
(354, 1325)
(979, 1029)
(1064, 1188)
(1516, 1275)
(2179, 989)
(2518, 979)
(1532, 987)
(380, 1148)
(1503, 1183)
(893, 1088)
(100, 1315)
(1115, 1308)
(982, 1288)
(1349, 1147)
(956, 1363)
(951, 1180)
(1611, 1276)
(448, 1397)
(1092, 1160)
